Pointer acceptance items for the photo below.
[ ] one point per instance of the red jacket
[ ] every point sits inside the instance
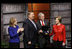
(59, 33)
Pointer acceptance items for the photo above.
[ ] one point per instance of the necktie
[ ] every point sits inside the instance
(42, 23)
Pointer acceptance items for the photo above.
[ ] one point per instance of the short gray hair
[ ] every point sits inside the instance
(40, 14)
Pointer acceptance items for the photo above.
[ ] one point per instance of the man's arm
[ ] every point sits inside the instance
(26, 32)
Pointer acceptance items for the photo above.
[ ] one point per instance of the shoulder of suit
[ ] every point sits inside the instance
(38, 21)
(46, 20)
(25, 21)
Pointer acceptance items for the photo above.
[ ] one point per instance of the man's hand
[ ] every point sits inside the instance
(40, 31)
(63, 44)
(29, 42)
(48, 31)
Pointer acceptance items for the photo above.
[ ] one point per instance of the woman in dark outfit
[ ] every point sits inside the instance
(59, 38)
(14, 32)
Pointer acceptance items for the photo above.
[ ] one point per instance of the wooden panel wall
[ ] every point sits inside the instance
(39, 7)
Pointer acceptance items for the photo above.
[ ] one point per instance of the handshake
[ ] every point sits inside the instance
(20, 30)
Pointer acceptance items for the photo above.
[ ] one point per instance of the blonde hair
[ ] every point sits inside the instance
(59, 18)
(12, 20)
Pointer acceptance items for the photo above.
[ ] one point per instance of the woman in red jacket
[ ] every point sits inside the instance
(59, 38)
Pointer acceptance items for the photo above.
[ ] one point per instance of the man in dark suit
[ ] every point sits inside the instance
(44, 39)
(30, 31)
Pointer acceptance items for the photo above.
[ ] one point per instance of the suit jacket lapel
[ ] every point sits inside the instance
(45, 22)
(31, 24)
(39, 23)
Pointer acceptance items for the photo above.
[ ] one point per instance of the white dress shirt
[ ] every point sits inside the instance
(41, 22)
